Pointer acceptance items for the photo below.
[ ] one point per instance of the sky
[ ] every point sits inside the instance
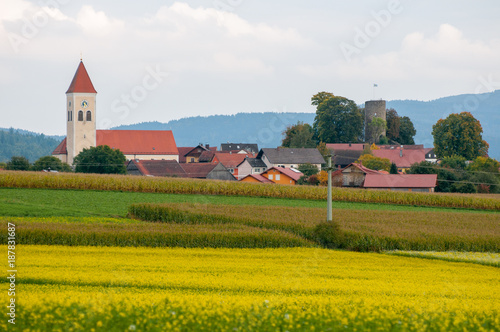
(158, 60)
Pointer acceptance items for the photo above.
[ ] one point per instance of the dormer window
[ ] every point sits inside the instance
(89, 116)
(80, 115)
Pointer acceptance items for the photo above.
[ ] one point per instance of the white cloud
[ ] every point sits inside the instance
(97, 22)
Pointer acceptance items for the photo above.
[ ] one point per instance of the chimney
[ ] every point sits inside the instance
(401, 152)
(207, 146)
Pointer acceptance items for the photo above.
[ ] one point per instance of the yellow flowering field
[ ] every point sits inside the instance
(65, 288)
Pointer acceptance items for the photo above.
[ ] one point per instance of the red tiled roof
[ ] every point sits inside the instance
(183, 151)
(400, 180)
(198, 170)
(409, 156)
(295, 175)
(131, 142)
(346, 146)
(362, 168)
(259, 178)
(139, 141)
(232, 160)
(159, 168)
(81, 81)
(61, 148)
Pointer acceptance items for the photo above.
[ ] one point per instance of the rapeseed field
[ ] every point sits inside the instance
(65, 288)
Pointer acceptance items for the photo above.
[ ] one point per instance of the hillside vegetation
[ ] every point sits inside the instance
(29, 145)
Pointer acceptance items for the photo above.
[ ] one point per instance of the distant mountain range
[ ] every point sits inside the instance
(266, 129)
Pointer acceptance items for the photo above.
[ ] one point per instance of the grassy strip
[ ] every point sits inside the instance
(134, 234)
(205, 187)
(489, 259)
(360, 230)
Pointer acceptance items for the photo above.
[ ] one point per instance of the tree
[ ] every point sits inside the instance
(461, 135)
(406, 131)
(338, 119)
(50, 163)
(484, 164)
(393, 124)
(101, 159)
(299, 136)
(393, 169)
(320, 97)
(308, 169)
(18, 164)
(375, 163)
(454, 162)
(376, 127)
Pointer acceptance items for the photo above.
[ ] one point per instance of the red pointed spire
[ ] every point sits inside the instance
(81, 81)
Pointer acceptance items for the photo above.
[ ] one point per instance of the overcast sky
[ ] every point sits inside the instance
(164, 60)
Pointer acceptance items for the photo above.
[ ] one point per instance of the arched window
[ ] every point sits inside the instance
(80, 116)
(89, 116)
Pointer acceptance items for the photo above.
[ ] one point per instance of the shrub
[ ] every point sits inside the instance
(329, 235)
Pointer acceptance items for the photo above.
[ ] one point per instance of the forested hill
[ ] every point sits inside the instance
(266, 128)
(14, 142)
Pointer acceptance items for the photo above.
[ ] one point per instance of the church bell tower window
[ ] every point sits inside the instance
(89, 116)
(80, 115)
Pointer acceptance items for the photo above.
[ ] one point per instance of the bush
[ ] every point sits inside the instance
(50, 163)
(18, 164)
(329, 235)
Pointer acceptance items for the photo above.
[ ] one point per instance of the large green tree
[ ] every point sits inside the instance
(338, 119)
(101, 159)
(393, 124)
(376, 127)
(406, 131)
(299, 136)
(461, 135)
(18, 163)
(50, 163)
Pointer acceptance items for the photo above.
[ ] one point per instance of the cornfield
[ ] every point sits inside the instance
(206, 187)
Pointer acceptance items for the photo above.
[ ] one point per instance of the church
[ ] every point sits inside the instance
(81, 132)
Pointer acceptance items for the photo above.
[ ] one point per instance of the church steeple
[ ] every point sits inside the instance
(81, 82)
(81, 113)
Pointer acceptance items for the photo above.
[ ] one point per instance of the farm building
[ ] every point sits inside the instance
(290, 158)
(401, 182)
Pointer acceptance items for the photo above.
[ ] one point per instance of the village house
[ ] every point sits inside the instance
(403, 158)
(231, 160)
(282, 175)
(170, 168)
(290, 158)
(194, 154)
(401, 182)
(251, 166)
(211, 171)
(256, 178)
(246, 147)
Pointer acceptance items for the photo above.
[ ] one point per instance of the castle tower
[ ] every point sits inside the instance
(374, 109)
(81, 114)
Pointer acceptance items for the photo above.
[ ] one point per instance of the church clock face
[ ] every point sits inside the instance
(85, 104)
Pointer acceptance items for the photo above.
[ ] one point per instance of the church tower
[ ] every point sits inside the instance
(81, 114)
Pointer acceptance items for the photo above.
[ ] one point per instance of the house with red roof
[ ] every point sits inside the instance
(403, 158)
(82, 133)
(231, 160)
(256, 178)
(282, 175)
(401, 182)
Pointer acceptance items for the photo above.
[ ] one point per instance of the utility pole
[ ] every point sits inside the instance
(329, 203)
